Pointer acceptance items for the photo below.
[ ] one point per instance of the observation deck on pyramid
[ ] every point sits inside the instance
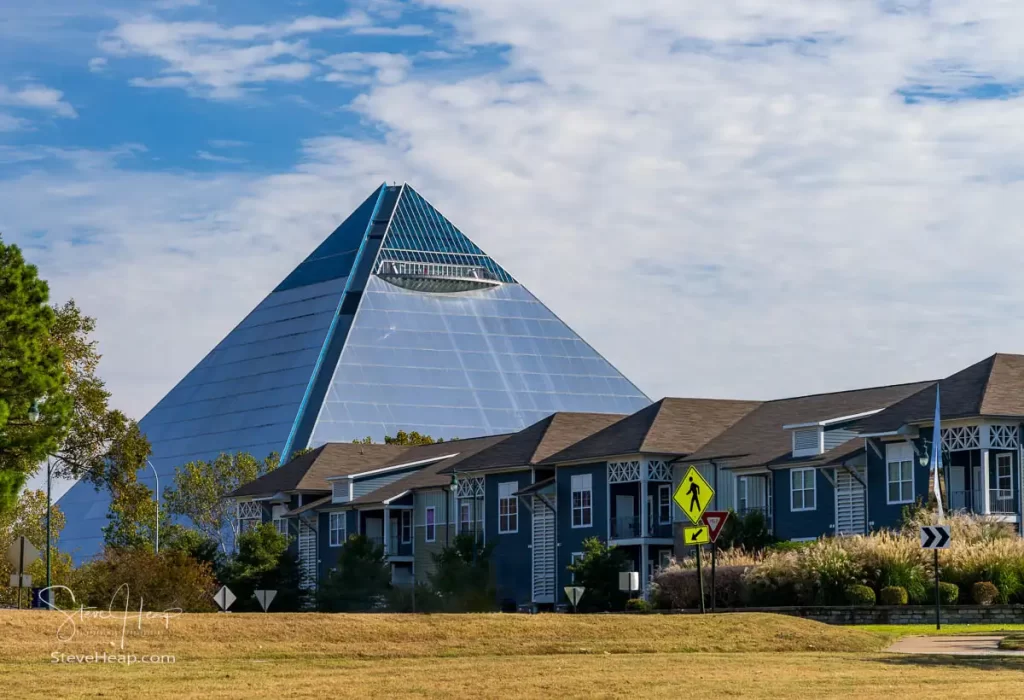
(397, 321)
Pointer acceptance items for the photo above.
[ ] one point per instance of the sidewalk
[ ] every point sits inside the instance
(981, 645)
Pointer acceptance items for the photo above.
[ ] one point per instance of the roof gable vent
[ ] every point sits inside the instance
(807, 442)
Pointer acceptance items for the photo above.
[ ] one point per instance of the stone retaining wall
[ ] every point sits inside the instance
(899, 615)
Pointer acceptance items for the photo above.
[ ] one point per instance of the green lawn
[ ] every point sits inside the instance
(894, 632)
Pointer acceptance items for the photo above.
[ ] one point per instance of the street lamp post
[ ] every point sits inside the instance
(33, 415)
(157, 477)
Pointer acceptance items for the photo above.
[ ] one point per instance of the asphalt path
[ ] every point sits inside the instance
(974, 645)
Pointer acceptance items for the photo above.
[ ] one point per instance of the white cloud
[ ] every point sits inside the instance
(221, 61)
(365, 68)
(12, 123)
(216, 158)
(227, 143)
(38, 97)
(97, 64)
(721, 205)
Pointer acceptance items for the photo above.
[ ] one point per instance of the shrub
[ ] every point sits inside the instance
(887, 559)
(748, 531)
(675, 587)
(788, 546)
(639, 605)
(829, 564)
(158, 582)
(420, 598)
(949, 593)
(779, 580)
(598, 572)
(984, 593)
(360, 579)
(893, 595)
(859, 594)
(264, 562)
(462, 576)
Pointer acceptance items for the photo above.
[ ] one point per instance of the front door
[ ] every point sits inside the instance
(957, 488)
(625, 518)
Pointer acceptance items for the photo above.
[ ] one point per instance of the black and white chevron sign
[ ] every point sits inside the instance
(935, 537)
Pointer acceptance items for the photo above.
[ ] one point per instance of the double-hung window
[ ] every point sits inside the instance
(431, 533)
(664, 504)
(465, 516)
(899, 473)
(406, 526)
(742, 491)
(802, 490)
(1004, 474)
(280, 523)
(582, 500)
(337, 529)
(508, 508)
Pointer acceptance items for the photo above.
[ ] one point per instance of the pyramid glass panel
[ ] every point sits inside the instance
(397, 321)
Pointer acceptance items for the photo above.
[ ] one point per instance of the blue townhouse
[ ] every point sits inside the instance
(573, 476)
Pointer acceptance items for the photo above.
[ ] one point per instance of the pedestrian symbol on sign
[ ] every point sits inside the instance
(694, 495)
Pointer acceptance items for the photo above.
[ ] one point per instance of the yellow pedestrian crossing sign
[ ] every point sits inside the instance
(696, 535)
(694, 495)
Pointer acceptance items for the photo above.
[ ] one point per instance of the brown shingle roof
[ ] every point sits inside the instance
(669, 426)
(992, 387)
(758, 438)
(309, 472)
(432, 475)
(535, 443)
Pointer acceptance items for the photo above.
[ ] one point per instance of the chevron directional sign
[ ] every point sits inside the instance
(935, 537)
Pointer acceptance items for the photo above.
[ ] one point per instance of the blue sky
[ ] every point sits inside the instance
(731, 199)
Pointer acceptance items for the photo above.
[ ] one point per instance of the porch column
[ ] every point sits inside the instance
(387, 530)
(986, 494)
(642, 530)
(645, 573)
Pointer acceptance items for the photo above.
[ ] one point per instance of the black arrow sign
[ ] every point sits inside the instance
(696, 534)
(934, 536)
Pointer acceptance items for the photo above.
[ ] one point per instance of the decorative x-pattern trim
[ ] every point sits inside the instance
(658, 471)
(967, 437)
(250, 510)
(621, 472)
(471, 487)
(1003, 437)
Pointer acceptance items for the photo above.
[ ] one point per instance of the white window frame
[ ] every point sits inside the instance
(742, 486)
(332, 519)
(508, 508)
(582, 484)
(803, 489)
(1009, 471)
(664, 504)
(900, 482)
(405, 525)
(430, 526)
(465, 517)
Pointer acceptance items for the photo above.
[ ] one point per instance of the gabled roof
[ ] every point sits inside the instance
(309, 472)
(758, 438)
(992, 387)
(431, 476)
(535, 443)
(670, 426)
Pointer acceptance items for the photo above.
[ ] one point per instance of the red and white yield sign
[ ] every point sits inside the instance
(715, 520)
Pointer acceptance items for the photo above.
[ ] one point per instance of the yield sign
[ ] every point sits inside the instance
(715, 520)
(935, 536)
(574, 593)
(265, 598)
(694, 494)
(22, 554)
(224, 598)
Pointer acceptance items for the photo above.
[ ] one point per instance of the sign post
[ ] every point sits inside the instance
(715, 520)
(694, 496)
(21, 554)
(574, 593)
(936, 537)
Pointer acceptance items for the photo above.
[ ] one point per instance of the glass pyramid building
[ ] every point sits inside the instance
(397, 321)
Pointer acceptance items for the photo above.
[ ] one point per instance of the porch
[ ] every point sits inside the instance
(639, 501)
(390, 528)
(982, 469)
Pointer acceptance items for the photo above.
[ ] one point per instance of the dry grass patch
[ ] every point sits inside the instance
(33, 635)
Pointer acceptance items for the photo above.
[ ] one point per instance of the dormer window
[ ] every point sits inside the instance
(807, 442)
